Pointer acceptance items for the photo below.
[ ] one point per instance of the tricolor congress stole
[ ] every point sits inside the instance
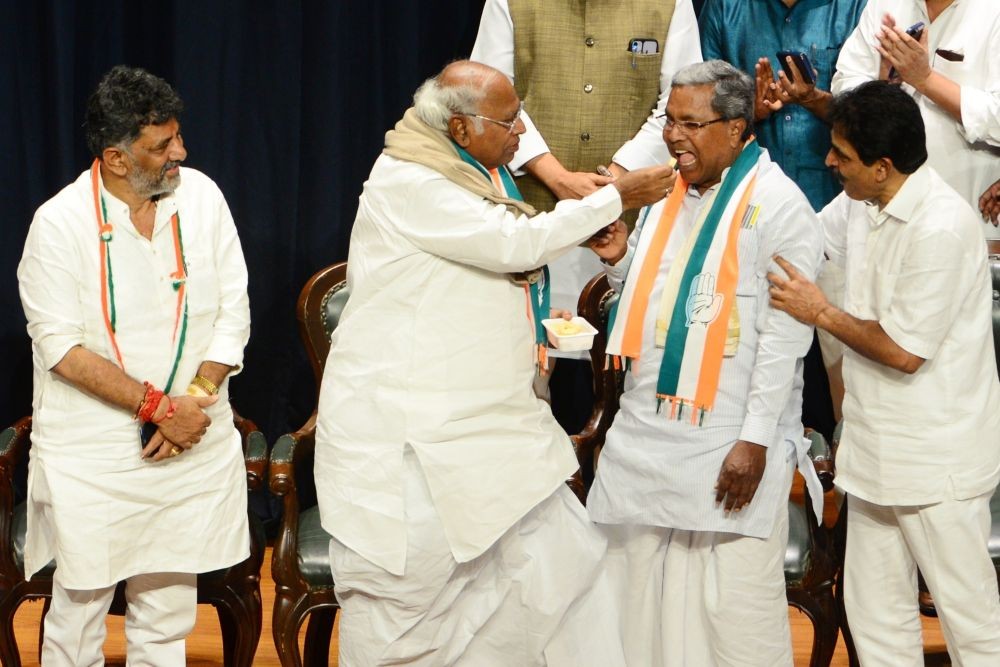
(699, 294)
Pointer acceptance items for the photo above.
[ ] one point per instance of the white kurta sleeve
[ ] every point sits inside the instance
(682, 48)
(48, 278)
(794, 234)
(495, 47)
(833, 219)
(450, 222)
(231, 329)
(981, 106)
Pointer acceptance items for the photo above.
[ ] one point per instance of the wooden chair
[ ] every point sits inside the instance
(300, 561)
(810, 565)
(233, 591)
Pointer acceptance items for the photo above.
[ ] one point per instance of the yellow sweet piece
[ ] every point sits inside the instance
(566, 328)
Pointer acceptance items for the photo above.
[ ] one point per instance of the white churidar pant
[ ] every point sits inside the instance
(162, 608)
(947, 541)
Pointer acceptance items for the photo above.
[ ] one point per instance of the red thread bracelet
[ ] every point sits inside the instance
(150, 403)
(171, 409)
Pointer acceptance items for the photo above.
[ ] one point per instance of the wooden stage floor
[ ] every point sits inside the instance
(205, 645)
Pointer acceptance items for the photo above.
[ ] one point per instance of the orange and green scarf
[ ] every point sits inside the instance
(699, 294)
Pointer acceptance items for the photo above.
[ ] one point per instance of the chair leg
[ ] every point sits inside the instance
(821, 608)
(318, 634)
(41, 627)
(285, 622)
(240, 621)
(845, 628)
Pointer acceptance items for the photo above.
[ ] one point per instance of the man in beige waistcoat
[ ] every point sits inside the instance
(589, 74)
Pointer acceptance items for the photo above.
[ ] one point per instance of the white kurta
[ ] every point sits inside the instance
(434, 351)
(966, 153)
(919, 268)
(658, 472)
(94, 505)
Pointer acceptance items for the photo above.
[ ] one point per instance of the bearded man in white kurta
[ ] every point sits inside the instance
(134, 285)
(693, 481)
(439, 473)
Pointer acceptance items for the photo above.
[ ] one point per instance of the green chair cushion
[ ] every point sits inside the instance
(314, 549)
(797, 552)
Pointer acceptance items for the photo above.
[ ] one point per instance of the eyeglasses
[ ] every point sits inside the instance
(686, 126)
(509, 124)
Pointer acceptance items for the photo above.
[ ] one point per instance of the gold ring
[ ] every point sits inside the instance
(175, 450)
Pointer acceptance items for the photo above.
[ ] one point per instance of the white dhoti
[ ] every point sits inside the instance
(538, 596)
(700, 598)
(947, 541)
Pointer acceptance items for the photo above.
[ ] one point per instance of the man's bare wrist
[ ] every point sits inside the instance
(820, 314)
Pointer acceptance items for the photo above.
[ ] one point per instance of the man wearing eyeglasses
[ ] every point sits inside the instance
(440, 475)
(693, 481)
(919, 458)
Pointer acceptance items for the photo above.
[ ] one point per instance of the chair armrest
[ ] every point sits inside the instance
(255, 458)
(14, 443)
(254, 450)
(288, 449)
(822, 458)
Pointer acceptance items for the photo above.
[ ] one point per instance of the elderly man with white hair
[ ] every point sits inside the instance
(440, 474)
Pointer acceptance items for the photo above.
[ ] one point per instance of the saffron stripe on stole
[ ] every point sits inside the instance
(636, 313)
(711, 365)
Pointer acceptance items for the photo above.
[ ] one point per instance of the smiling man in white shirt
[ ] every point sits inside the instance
(439, 473)
(693, 481)
(134, 285)
(920, 453)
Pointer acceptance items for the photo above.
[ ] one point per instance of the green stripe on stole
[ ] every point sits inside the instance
(673, 350)
(540, 291)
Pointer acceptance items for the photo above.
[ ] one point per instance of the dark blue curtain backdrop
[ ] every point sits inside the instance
(287, 105)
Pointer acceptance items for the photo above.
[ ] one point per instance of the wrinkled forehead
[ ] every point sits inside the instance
(501, 100)
(690, 101)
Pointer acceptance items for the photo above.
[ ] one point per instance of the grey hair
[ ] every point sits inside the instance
(436, 104)
(734, 89)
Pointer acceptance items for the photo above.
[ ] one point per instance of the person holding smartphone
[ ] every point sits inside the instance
(951, 68)
(789, 121)
(750, 35)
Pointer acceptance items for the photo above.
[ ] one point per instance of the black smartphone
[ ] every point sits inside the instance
(916, 30)
(145, 433)
(801, 61)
